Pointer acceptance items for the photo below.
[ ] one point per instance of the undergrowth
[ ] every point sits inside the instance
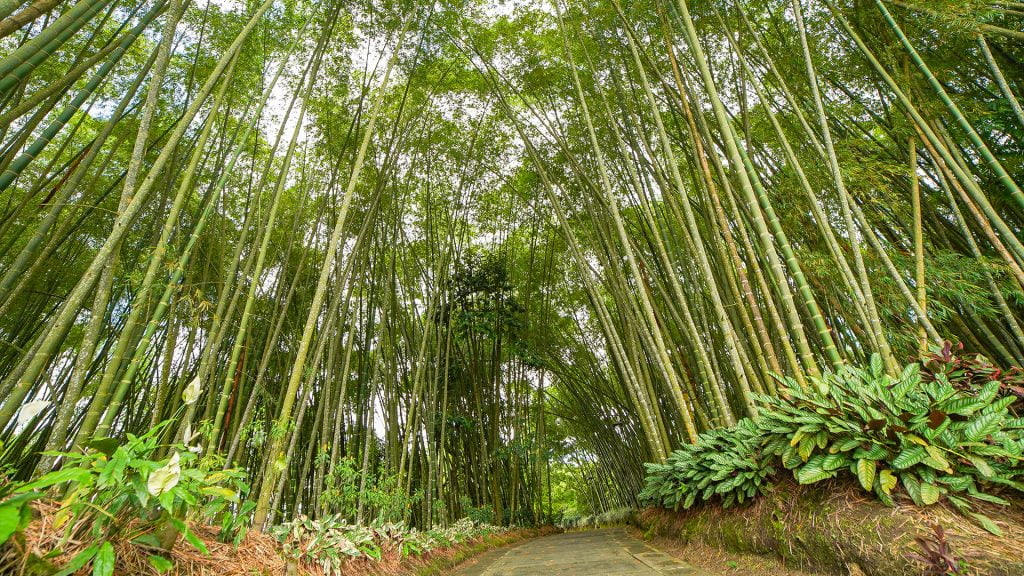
(950, 435)
(122, 506)
(613, 517)
(331, 543)
(124, 491)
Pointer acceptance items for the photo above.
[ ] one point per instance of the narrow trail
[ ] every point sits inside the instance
(606, 552)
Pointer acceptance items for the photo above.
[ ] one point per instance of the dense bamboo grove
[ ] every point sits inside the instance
(479, 254)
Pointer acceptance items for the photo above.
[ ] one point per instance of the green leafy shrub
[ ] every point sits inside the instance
(462, 531)
(384, 497)
(15, 512)
(330, 542)
(930, 437)
(384, 494)
(970, 372)
(479, 514)
(327, 542)
(724, 463)
(341, 487)
(408, 541)
(119, 491)
(933, 438)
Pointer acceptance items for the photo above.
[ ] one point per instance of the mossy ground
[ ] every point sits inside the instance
(834, 528)
(716, 561)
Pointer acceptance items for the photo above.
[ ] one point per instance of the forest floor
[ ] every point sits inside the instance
(616, 552)
(40, 550)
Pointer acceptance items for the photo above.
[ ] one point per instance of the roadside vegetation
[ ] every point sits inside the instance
(285, 275)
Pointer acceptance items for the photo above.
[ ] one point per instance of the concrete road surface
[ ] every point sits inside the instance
(607, 552)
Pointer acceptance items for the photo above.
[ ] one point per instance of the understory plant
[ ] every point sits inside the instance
(124, 491)
(971, 371)
(935, 438)
(384, 497)
(726, 463)
(330, 542)
(937, 555)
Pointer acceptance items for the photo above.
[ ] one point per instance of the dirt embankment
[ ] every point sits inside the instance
(833, 528)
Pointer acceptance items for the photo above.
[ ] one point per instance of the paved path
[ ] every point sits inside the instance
(608, 552)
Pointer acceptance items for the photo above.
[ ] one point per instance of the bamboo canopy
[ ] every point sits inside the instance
(486, 251)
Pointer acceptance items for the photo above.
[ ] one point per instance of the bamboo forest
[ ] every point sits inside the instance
(523, 287)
